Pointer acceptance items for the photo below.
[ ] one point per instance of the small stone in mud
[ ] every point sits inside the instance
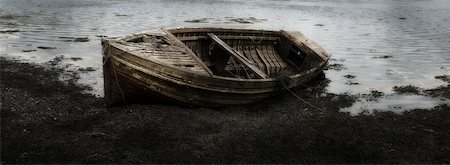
(406, 89)
(46, 47)
(445, 78)
(29, 50)
(201, 20)
(349, 76)
(9, 30)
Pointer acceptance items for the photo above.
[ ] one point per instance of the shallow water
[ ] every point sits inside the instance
(394, 103)
(383, 42)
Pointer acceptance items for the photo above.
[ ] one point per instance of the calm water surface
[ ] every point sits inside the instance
(382, 42)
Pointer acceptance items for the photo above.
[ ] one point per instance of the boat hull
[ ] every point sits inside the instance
(131, 79)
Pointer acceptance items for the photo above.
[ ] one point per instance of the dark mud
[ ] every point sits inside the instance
(335, 66)
(443, 91)
(406, 89)
(445, 78)
(44, 120)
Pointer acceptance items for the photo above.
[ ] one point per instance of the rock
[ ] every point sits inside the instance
(81, 39)
(121, 15)
(201, 20)
(6, 16)
(406, 89)
(46, 47)
(76, 58)
(248, 20)
(29, 50)
(335, 66)
(385, 57)
(349, 76)
(88, 69)
(9, 30)
(443, 78)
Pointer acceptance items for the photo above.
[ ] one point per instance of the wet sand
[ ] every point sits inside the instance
(46, 120)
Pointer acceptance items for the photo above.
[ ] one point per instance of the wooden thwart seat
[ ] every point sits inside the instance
(241, 58)
(188, 50)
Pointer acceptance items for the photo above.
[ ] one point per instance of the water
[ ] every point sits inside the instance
(412, 35)
(395, 103)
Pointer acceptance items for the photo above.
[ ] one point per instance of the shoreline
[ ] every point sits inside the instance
(45, 120)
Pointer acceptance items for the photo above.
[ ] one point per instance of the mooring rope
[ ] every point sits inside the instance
(120, 89)
(107, 57)
(303, 100)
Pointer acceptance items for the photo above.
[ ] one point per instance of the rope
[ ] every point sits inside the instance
(107, 57)
(298, 97)
(120, 89)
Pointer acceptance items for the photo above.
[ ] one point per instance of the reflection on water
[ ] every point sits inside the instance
(382, 43)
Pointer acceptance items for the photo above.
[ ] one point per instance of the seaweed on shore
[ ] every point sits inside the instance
(45, 120)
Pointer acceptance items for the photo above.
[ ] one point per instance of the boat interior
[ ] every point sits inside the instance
(243, 54)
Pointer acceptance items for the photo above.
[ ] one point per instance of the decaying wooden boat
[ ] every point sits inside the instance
(208, 66)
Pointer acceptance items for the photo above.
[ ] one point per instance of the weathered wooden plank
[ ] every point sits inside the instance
(261, 55)
(223, 30)
(278, 58)
(305, 44)
(269, 60)
(238, 56)
(274, 59)
(189, 51)
(273, 66)
(216, 81)
(249, 51)
(256, 59)
(195, 38)
(198, 49)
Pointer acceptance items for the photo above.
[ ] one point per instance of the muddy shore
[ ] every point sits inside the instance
(45, 120)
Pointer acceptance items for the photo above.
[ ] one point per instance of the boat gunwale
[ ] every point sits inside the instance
(116, 43)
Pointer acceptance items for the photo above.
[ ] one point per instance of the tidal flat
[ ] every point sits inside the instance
(46, 120)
